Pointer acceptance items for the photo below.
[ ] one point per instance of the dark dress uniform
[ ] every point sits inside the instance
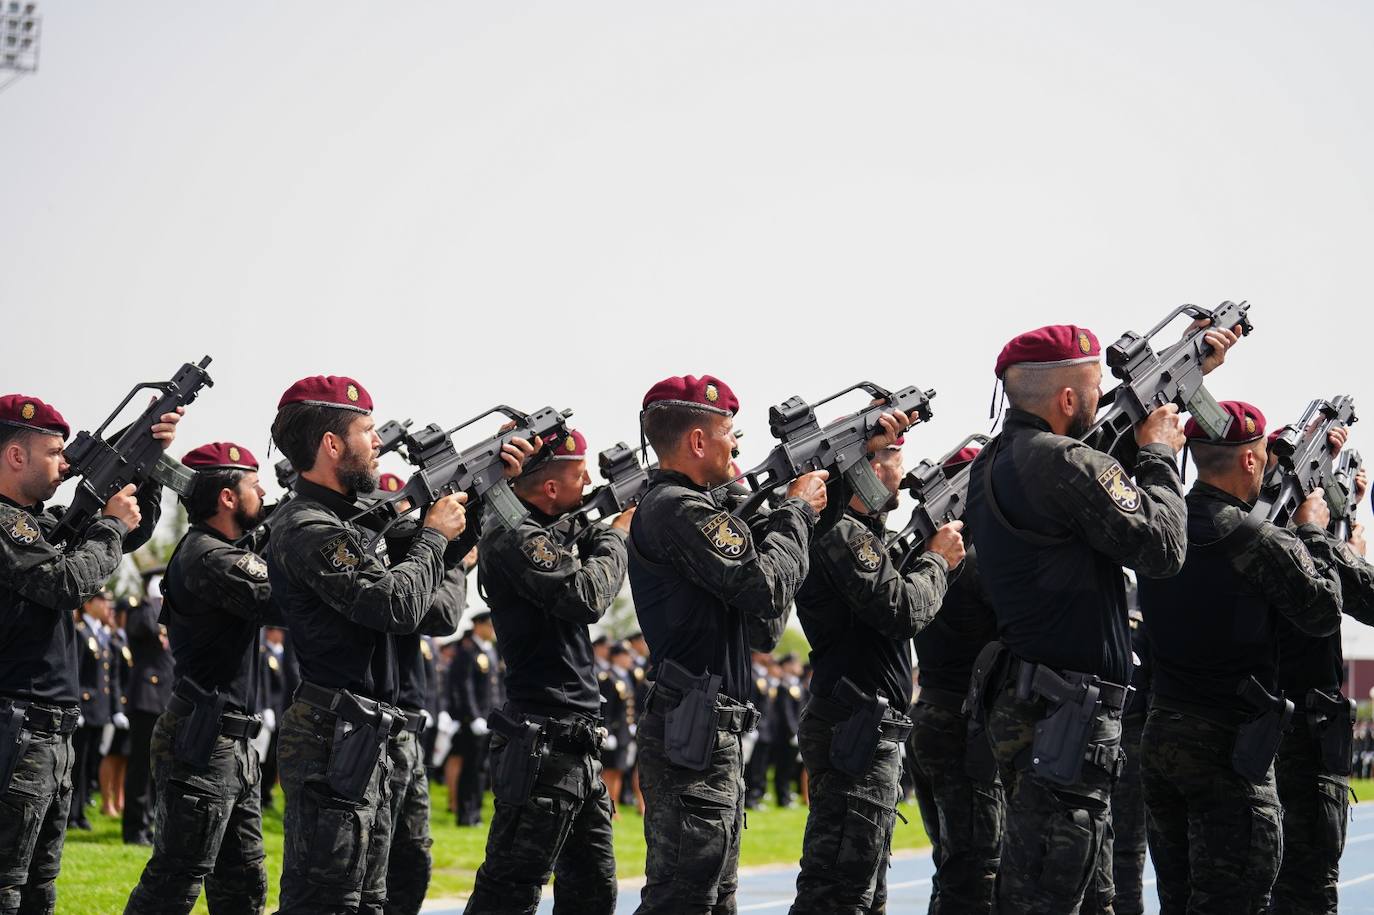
(209, 815)
(99, 684)
(123, 666)
(1054, 521)
(763, 690)
(617, 714)
(859, 614)
(786, 755)
(276, 696)
(962, 810)
(40, 587)
(543, 596)
(150, 689)
(1314, 786)
(342, 606)
(699, 575)
(474, 693)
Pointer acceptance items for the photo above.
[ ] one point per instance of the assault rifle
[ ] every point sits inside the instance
(842, 446)
(625, 483)
(130, 455)
(1305, 462)
(939, 500)
(1348, 464)
(441, 469)
(1149, 380)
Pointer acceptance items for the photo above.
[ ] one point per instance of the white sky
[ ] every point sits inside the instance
(462, 204)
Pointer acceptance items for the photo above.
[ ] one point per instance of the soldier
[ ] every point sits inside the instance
(758, 746)
(474, 692)
(553, 812)
(961, 805)
(859, 613)
(342, 604)
(1054, 521)
(618, 716)
(99, 700)
(150, 689)
(787, 708)
(1312, 772)
(699, 575)
(40, 587)
(206, 772)
(1208, 748)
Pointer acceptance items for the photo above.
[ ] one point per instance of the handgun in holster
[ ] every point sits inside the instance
(980, 763)
(689, 728)
(522, 758)
(1331, 720)
(14, 739)
(196, 734)
(359, 740)
(1257, 740)
(1060, 744)
(854, 741)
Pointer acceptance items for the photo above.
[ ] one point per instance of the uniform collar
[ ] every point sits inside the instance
(1203, 490)
(674, 477)
(1024, 420)
(209, 531)
(34, 509)
(337, 502)
(873, 522)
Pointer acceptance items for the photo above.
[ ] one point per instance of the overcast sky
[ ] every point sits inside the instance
(560, 203)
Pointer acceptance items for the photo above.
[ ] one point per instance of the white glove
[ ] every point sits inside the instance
(792, 742)
(609, 743)
(443, 740)
(445, 723)
(429, 719)
(80, 719)
(106, 739)
(269, 719)
(634, 729)
(121, 721)
(479, 727)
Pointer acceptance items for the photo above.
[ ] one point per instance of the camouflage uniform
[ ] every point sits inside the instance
(1315, 795)
(1215, 834)
(209, 820)
(706, 586)
(1053, 522)
(40, 586)
(860, 613)
(542, 597)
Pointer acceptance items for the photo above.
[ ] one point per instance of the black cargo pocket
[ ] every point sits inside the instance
(1068, 854)
(189, 820)
(863, 840)
(21, 814)
(704, 829)
(1333, 813)
(335, 853)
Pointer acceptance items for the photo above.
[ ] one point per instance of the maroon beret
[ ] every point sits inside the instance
(571, 447)
(707, 392)
(1274, 435)
(389, 482)
(1057, 344)
(328, 391)
(31, 413)
(1247, 425)
(963, 455)
(220, 456)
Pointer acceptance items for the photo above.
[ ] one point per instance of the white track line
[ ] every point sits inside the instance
(1345, 883)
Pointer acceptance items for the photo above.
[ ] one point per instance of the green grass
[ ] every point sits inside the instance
(98, 870)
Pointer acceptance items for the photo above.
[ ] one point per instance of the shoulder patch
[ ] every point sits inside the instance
(1305, 560)
(252, 566)
(1120, 488)
(542, 552)
(726, 535)
(22, 529)
(341, 553)
(866, 552)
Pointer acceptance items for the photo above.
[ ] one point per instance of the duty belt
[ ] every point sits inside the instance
(231, 724)
(730, 715)
(334, 701)
(578, 735)
(944, 699)
(1112, 696)
(48, 719)
(414, 721)
(895, 726)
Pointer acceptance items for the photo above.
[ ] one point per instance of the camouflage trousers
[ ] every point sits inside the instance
(1128, 830)
(410, 862)
(962, 815)
(33, 825)
(562, 831)
(335, 854)
(848, 828)
(692, 824)
(1058, 839)
(208, 829)
(1316, 810)
(1215, 836)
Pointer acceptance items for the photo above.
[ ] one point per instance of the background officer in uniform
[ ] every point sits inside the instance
(860, 613)
(276, 692)
(758, 746)
(96, 676)
(962, 809)
(698, 574)
(556, 820)
(788, 705)
(474, 692)
(1312, 771)
(617, 715)
(342, 605)
(207, 773)
(1054, 521)
(40, 588)
(1212, 808)
(150, 689)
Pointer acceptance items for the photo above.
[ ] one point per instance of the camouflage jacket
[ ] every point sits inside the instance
(1317, 661)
